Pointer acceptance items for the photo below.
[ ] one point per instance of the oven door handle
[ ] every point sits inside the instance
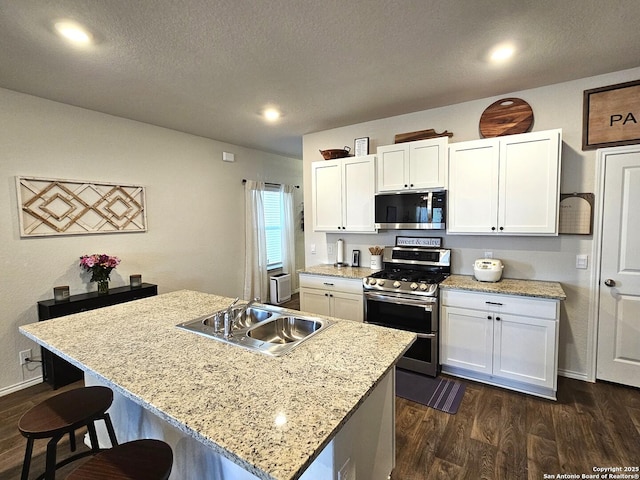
(400, 301)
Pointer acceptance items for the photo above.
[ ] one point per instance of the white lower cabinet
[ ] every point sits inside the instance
(504, 340)
(332, 296)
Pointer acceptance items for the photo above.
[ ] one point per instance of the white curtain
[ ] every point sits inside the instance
(256, 282)
(288, 232)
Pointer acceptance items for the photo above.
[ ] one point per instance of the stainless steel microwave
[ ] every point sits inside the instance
(411, 211)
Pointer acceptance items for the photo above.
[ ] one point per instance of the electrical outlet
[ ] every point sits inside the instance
(24, 354)
(488, 254)
(313, 249)
(330, 249)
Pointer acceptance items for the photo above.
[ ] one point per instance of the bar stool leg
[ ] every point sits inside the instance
(50, 470)
(95, 446)
(27, 460)
(110, 430)
(72, 440)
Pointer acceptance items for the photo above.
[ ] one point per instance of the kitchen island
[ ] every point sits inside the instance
(227, 412)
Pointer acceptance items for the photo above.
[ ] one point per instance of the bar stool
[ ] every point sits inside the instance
(137, 460)
(62, 414)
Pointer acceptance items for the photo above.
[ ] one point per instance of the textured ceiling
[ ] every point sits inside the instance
(209, 67)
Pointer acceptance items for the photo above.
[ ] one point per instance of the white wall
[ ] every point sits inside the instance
(555, 106)
(195, 209)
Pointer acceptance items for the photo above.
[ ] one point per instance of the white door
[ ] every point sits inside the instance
(466, 339)
(618, 357)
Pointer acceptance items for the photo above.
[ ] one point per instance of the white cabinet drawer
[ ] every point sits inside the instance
(518, 305)
(346, 285)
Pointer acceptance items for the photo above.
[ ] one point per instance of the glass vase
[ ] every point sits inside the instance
(103, 287)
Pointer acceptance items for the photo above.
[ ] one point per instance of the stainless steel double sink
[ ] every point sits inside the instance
(263, 328)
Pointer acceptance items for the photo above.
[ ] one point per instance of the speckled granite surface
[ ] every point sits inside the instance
(226, 397)
(507, 286)
(344, 272)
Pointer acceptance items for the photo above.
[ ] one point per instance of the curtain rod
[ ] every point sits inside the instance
(244, 180)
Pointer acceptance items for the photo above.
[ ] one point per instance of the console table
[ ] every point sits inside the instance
(57, 371)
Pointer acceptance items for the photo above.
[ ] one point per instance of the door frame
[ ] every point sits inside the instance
(594, 304)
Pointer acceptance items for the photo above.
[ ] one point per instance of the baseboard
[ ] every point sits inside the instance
(20, 386)
(574, 375)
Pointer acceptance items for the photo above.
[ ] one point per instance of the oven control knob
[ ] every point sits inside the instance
(372, 281)
(423, 286)
(413, 286)
(396, 284)
(380, 282)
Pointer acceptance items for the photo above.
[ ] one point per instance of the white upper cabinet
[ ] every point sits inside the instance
(505, 185)
(343, 194)
(413, 165)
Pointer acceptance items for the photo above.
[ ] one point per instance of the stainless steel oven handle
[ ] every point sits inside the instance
(401, 300)
(426, 335)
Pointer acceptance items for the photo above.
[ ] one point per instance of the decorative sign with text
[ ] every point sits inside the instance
(418, 241)
(611, 116)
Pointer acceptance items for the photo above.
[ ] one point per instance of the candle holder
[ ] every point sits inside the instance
(61, 293)
(135, 281)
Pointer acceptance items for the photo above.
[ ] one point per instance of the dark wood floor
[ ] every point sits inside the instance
(498, 434)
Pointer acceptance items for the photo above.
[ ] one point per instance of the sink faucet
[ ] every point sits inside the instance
(228, 319)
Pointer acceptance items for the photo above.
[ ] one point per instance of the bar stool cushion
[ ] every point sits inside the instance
(136, 460)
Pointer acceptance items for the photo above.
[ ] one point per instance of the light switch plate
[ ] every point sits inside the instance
(582, 261)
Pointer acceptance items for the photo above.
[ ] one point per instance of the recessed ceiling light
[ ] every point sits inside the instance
(271, 114)
(502, 53)
(73, 32)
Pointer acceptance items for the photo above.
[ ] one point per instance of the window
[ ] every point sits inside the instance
(273, 227)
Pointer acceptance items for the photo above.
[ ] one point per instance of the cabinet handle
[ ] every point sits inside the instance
(331, 294)
(412, 185)
(497, 319)
(406, 186)
(493, 229)
(493, 303)
(328, 284)
(488, 317)
(326, 294)
(501, 228)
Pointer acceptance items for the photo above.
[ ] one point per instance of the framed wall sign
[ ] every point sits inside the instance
(361, 146)
(611, 116)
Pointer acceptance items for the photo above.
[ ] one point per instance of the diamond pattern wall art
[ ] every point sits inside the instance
(71, 207)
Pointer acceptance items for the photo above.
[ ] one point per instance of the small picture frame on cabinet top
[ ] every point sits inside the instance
(361, 147)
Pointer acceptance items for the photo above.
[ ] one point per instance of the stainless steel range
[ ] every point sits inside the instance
(404, 295)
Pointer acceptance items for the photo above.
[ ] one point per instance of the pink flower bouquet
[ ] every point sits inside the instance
(100, 265)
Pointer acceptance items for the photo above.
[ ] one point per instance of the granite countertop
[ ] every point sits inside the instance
(507, 286)
(343, 272)
(224, 396)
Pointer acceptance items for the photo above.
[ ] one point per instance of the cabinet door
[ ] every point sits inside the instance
(466, 339)
(392, 167)
(348, 305)
(529, 183)
(473, 187)
(358, 192)
(428, 163)
(315, 301)
(525, 349)
(326, 182)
